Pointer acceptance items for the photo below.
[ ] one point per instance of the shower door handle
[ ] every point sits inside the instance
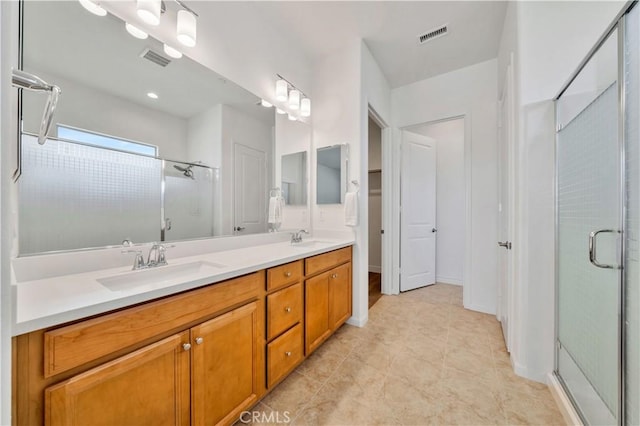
(592, 249)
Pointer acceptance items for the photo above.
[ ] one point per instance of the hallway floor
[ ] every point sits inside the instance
(421, 359)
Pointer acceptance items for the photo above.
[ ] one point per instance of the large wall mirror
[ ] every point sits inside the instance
(143, 146)
(332, 171)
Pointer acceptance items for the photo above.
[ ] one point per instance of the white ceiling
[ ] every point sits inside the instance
(390, 30)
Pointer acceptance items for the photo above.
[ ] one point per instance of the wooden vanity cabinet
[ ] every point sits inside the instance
(328, 295)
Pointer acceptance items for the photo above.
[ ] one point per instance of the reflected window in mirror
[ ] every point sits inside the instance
(294, 178)
(331, 174)
(71, 134)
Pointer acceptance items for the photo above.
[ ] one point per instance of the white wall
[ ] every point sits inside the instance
(375, 197)
(450, 198)
(471, 92)
(91, 109)
(204, 137)
(572, 28)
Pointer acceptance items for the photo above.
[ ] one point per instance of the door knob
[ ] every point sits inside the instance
(239, 228)
(506, 244)
(434, 230)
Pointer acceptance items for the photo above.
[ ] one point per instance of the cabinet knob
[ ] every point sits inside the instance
(334, 276)
(186, 346)
(199, 340)
(288, 353)
(287, 309)
(287, 274)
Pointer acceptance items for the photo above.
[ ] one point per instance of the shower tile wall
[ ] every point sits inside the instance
(74, 196)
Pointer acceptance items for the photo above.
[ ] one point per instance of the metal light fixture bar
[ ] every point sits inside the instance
(185, 7)
(291, 85)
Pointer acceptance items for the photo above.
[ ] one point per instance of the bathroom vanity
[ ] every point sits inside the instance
(200, 356)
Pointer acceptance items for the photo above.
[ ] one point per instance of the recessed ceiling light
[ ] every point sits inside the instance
(292, 118)
(280, 111)
(152, 95)
(93, 7)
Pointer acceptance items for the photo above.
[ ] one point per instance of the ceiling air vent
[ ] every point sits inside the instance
(155, 57)
(433, 34)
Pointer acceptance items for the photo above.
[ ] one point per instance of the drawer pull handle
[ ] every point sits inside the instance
(199, 340)
(288, 353)
(287, 274)
(186, 346)
(287, 309)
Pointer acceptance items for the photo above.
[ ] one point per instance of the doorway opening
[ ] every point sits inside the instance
(434, 223)
(375, 211)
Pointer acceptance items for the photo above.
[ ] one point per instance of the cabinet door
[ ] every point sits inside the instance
(147, 387)
(339, 295)
(225, 378)
(316, 301)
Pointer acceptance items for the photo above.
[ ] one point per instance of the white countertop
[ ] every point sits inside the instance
(56, 300)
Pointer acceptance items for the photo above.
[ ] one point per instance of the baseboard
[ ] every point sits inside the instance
(358, 322)
(448, 280)
(569, 413)
(478, 308)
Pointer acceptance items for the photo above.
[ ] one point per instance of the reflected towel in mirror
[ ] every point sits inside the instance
(351, 209)
(276, 203)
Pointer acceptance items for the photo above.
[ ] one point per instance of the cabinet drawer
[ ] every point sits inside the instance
(284, 309)
(326, 261)
(73, 345)
(283, 354)
(283, 275)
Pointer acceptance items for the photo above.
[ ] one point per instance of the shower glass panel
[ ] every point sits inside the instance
(632, 225)
(588, 237)
(189, 193)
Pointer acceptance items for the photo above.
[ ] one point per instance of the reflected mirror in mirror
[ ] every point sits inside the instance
(331, 174)
(136, 133)
(294, 179)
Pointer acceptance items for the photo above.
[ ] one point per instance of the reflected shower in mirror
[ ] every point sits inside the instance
(331, 174)
(294, 178)
(124, 99)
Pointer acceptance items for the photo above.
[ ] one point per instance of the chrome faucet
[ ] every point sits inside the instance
(296, 237)
(157, 255)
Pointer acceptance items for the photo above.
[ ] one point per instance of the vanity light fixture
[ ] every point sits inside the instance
(282, 90)
(265, 103)
(294, 99)
(93, 7)
(186, 30)
(305, 107)
(291, 117)
(174, 53)
(149, 11)
(280, 111)
(135, 31)
(152, 95)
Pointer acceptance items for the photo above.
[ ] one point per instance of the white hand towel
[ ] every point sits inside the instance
(351, 209)
(273, 210)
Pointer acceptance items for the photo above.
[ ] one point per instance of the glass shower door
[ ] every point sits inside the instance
(588, 236)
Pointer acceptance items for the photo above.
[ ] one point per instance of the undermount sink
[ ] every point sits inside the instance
(311, 243)
(157, 276)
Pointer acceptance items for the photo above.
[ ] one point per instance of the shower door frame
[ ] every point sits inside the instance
(619, 25)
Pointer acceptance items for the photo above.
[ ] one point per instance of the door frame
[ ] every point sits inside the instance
(396, 210)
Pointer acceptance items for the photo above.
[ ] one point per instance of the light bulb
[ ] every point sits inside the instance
(294, 99)
(280, 111)
(291, 117)
(186, 31)
(174, 53)
(135, 31)
(282, 88)
(265, 103)
(152, 95)
(305, 107)
(93, 7)
(149, 11)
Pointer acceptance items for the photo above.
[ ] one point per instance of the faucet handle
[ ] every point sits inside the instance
(138, 262)
(127, 243)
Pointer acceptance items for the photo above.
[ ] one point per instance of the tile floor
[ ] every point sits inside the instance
(421, 359)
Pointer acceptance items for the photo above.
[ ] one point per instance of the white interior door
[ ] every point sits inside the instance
(250, 190)
(505, 208)
(418, 212)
